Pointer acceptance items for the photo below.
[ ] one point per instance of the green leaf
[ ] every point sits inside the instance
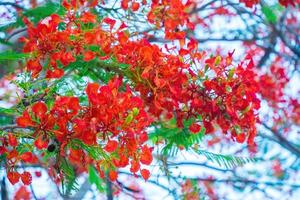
(3, 41)
(135, 111)
(95, 179)
(269, 14)
(175, 137)
(69, 182)
(9, 55)
(129, 118)
(228, 161)
(7, 111)
(38, 13)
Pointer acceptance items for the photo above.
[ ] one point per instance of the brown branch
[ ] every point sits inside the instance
(12, 4)
(268, 50)
(81, 192)
(246, 181)
(283, 141)
(199, 164)
(166, 188)
(15, 33)
(10, 127)
(109, 193)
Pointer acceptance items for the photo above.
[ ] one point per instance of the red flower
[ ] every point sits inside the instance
(34, 66)
(41, 143)
(110, 22)
(124, 4)
(146, 155)
(39, 109)
(111, 146)
(88, 17)
(88, 56)
(26, 157)
(92, 91)
(55, 73)
(240, 138)
(145, 174)
(13, 177)
(38, 173)
(286, 3)
(25, 120)
(135, 166)
(113, 175)
(67, 58)
(26, 178)
(22, 194)
(195, 128)
(250, 3)
(135, 6)
(12, 140)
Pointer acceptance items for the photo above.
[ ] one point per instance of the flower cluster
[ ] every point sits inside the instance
(227, 99)
(273, 83)
(59, 47)
(113, 120)
(171, 15)
(164, 83)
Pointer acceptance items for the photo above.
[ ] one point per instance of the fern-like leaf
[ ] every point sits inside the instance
(228, 161)
(69, 182)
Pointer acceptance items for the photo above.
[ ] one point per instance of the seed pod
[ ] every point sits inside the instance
(51, 148)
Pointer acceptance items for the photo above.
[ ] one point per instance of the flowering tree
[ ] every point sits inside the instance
(108, 90)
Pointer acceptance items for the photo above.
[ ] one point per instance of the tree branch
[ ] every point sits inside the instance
(199, 164)
(12, 4)
(283, 141)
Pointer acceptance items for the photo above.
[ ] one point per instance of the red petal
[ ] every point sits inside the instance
(135, 6)
(12, 140)
(34, 66)
(109, 21)
(39, 109)
(26, 157)
(88, 17)
(113, 175)
(13, 177)
(38, 174)
(92, 92)
(26, 178)
(111, 146)
(88, 56)
(240, 138)
(40, 143)
(195, 128)
(146, 156)
(145, 174)
(135, 166)
(124, 4)
(24, 120)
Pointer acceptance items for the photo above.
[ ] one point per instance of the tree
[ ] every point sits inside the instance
(103, 90)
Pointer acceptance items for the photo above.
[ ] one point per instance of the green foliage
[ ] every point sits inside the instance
(176, 137)
(270, 13)
(6, 116)
(95, 179)
(228, 161)
(24, 147)
(69, 182)
(38, 13)
(95, 152)
(10, 55)
(7, 111)
(5, 42)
